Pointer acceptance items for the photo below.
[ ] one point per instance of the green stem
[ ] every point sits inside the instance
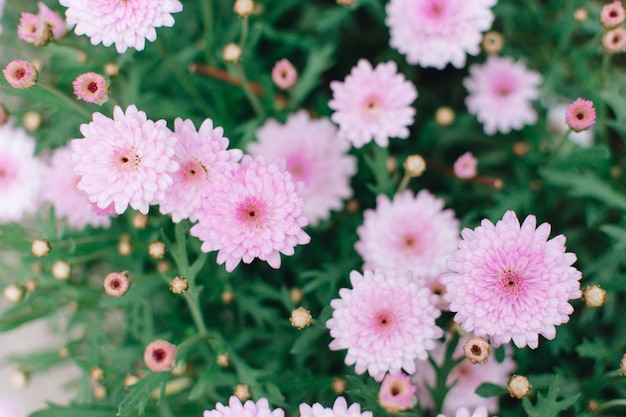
(561, 144)
(404, 183)
(606, 68)
(612, 404)
(207, 16)
(70, 102)
(194, 307)
(244, 32)
(252, 98)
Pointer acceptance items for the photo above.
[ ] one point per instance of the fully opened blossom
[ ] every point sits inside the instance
(250, 408)
(464, 378)
(201, 156)
(315, 155)
(386, 322)
(410, 232)
(500, 94)
(509, 282)
(340, 409)
(127, 23)
(254, 211)
(434, 33)
(127, 160)
(20, 174)
(373, 103)
(59, 188)
(464, 412)
(580, 115)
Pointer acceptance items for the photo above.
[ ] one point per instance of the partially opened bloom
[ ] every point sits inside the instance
(434, 33)
(127, 24)
(52, 18)
(284, 74)
(558, 125)
(340, 409)
(116, 284)
(614, 40)
(500, 94)
(160, 355)
(509, 282)
(465, 166)
(412, 233)
(20, 74)
(34, 29)
(202, 155)
(464, 412)
(580, 115)
(91, 87)
(127, 160)
(254, 211)
(612, 14)
(235, 408)
(315, 155)
(59, 187)
(397, 393)
(373, 103)
(20, 174)
(464, 378)
(386, 322)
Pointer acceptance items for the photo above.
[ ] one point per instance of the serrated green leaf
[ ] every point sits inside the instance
(487, 389)
(318, 61)
(141, 391)
(592, 349)
(549, 405)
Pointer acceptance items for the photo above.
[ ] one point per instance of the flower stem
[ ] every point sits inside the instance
(207, 12)
(612, 404)
(244, 32)
(404, 182)
(191, 296)
(245, 84)
(72, 103)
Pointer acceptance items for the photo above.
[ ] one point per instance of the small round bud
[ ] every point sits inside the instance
(244, 8)
(160, 355)
(414, 165)
(130, 379)
(180, 368)
(99, 392)
(397, 393)
(346, 3)
(111, 69)
(140, 221)
(19, 379)
(179, 285)
(227, 297)
(63, 353)
(61, 270)
(444, 116)
(13, 293)
(352, 206)
(612, 15)
(81, 57)
(31, 284)
(498, 184)
(5, 116)
(493, 42)
(157, 250)
(392, 164)
(477, 350)
(300, 318)
(116, 284)
(223, 360)
(580, 15)
(520, 148)
(616, 171)
(296, 294)
(242, 391)
(232, 53)
(594, 296)
(20, 74)
(614, 40)
(339, 385)
(622, 364)
(40, 247)
(592, 406)
(96, 373)
(92, 88)
(31, 120)
(518, 386)
(284, 74)
(124, 247)
(163, 266)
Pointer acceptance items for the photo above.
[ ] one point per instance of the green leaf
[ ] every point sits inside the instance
(548, 405)
(141, 391)
(318, 61)
(74, 410)
(487, 389)
(595, 350)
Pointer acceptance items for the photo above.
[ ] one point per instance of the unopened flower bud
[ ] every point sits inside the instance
(352, 206)
(232, 53)
(96, 373)
(157, 250)
(111, 69)
(20, 74)
(31, 284)
(140, 221)
(392, 164)
(99, 392)
(612, 15)
(223, 360)
(81, 57)
(31, 120)
(444, 116)
(296, 294)
(347, 3)
(19, 379)
(163, 266)
(580, 15)
(61, 270)
(594, 296)
(414, 165)
(92, 88)
(518, 386)
(160, 355)
(300, 318)
(592, 406)
(130, 379)
(5, 116)
(244, 8)
(227, 297)
(180, 368)
(339, 385)
(116, 284)
(477, 350)
(124, 247)
(614, 40)
(284, 74)
(493, 42)
(63, 353)
(242, 391)
(40, 247)
(34, 29)
(520, 148)
(13, 293)
(179, 285)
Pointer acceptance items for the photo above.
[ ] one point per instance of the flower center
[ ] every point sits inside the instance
(20, 73)
(92, 87)
(383, 320)
(396, 389)
(372, 105)
(158, 355)
(476, 350)
(126, 160)
(580, 116)
(194, 171)
(252, 212)
(409, 242)
(510, 282)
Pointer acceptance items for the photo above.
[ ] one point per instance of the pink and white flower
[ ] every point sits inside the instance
(465, 166)
(340, 409)
(315, 155)
(464, 412)
(397, 393)
(235, 408)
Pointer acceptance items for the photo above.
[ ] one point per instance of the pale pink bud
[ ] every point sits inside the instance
(612, 15)
(91, 87)
(160, 355)
(284, 74)
(52, 18)
(580, 115)
(20, 74)
(116, 284)
(34, 29)
(614, 40)
(397, 393)
(465, 166)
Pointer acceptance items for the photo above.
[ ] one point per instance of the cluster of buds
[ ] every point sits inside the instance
(612, 16)
(41, 28)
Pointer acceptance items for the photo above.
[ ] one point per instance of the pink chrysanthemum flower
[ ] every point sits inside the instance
(91, 87)
(314, 155)
(500, 92)
(412, 233)
(580, 115)
(34, 29)
(373, 103)
(20, 74)
(464, 412)
(127, 24)
(558, 125)
(9, 406)
(614, 40)
(125, 160)
(160, 355)
(386, 321)
(434, 33)
(466, 377)
(20, 174)
(254, 211)
(340, 409)
(511, 282)
(465, 166)
(261, 408)
(58, 25)
(612, 14)
(59, 188)
(397, 393)
(284, 74)
(201, 155)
